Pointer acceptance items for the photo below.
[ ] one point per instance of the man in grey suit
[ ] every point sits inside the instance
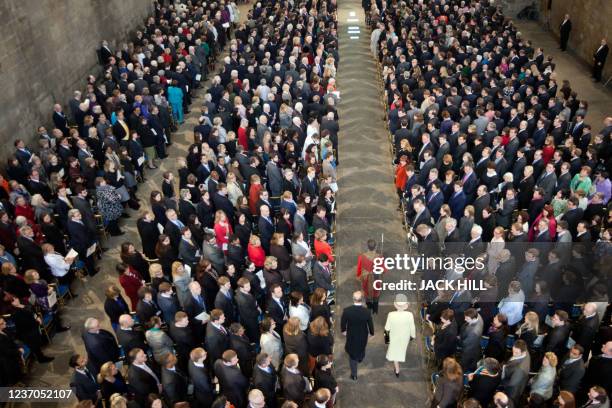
(548, 181)
(470, 334)
(515, 373)
(322, 274)
(300, 225)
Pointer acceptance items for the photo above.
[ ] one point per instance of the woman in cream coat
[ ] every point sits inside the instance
(400, 325)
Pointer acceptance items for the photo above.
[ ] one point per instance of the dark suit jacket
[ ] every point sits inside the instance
(32, 255)
(322, 279)
(216, 342)
(570, 375)
(234, 385)
(174, 233)
(84, 387)
(277, 313)
(80, 237)
(131, 339)
(516, 374)
(424, 172)
(445, 343)
(101, 347)
(556, 340)
(86, 212)
(293, 386)
(203, 391)
(457, 204)
(266, 383)
(168, 306)
(356, 321)
(174, 386)
(145, 311)
(141, 384)
(228, 307)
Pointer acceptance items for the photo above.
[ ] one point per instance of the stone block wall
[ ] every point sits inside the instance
(47, 49)
(591, 21)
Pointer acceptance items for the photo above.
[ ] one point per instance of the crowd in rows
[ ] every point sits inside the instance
(227, 303)
(495, 159)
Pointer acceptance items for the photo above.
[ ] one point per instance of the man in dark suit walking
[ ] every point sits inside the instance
(356, 325)
(599, 59)
(564, 31)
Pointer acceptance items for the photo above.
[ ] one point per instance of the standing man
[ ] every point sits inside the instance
(356, 324)
(564, 31)
(599, 59)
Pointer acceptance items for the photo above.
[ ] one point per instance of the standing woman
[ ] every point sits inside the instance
(365, 274)
(223, 230)
(131, 257)
(130, 281)
(109, 204)
(158, 207)
(175, 97)
(111, 381)
(449, 386)
(181, 279)
(149, 233)
(295, 342)
(165, 253)
(400, 325)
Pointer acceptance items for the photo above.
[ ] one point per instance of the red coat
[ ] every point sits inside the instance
(400, 177)
(322, 247)
(257, 255)
(26, 211)
(131, 281)
(254, 197)
(222, 234)
(243, 138)
(365, 267)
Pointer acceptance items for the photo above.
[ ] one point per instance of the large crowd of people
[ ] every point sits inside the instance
(227, 303)
(495, 159)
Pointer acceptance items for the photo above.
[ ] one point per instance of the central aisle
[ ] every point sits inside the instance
(367, 209)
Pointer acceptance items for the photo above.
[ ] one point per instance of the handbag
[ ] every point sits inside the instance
(386, 334)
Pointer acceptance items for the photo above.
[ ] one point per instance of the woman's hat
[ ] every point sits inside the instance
(401, 301)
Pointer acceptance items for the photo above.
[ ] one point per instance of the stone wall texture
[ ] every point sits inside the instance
(47, 49)
(591, 21)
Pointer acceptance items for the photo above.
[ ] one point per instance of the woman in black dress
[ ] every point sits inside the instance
(323, 376)
(319, 306)
(498, 332)
(243, 229)
(159, 208)
(295, 342)
(52, 234)
(320, 340)
(111, 381)
(445, 338)
(131, 257)
(165, 253)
